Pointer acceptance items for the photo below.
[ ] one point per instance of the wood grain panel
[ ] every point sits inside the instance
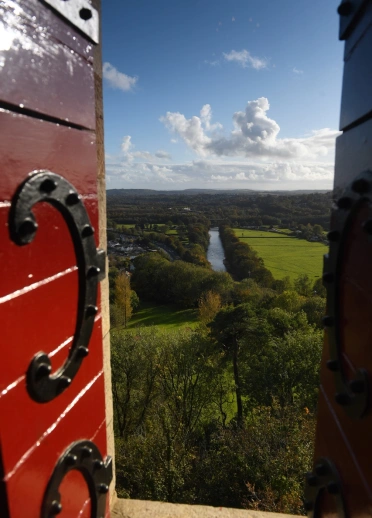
(47, 68)
(28, 144)
(31, 477)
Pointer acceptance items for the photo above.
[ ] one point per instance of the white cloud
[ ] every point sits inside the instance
(130, 155)
(233, 19)
(163, 154)
(190, 130)
(255, 135)
(212, 63)
(245, 59)
(222, 174)
(297, 71)
(126, 144)
(117, 79)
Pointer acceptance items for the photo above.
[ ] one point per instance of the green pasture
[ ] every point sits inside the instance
(124, 225)
(284, 255)
(165, 316)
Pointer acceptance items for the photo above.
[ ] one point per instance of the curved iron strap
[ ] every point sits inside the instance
(83, 456)
(54, 189)
(353, 394)
(324, 478)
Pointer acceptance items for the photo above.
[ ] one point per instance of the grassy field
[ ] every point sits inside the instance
(165, 316)
(284, 255)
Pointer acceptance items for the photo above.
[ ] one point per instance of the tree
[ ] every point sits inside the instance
(314, 308)
(303, 285)
(209, 305)
(228, 328)
(319, 289)
(122, 310)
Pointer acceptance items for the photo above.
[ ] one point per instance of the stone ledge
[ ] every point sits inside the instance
(147, 509)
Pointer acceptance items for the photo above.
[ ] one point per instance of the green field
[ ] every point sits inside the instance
(285, 255)
(165, 316)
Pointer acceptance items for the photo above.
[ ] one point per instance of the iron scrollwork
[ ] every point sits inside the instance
(83, 456)
(353, 394)
(324, 478)
(45, 186)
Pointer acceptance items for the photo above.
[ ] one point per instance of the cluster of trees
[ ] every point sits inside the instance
(242, 261)
(235, 208)
(310, 232)
(224, 414)
(157, 279)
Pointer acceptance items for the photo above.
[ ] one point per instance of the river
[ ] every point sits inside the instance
(215, 253)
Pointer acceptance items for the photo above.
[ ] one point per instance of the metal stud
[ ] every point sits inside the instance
(342, 398)
(87, 231)
(311, 479)
(44, 369)
(321, 469)
(328, 277)
(327, 321)
(85, 14)
(48, 186)
(27, 227)
(333, 236)
(86, 451)
(55, 507)
(103, 488)
(367, 226)
(91, 310)
(344, 203)
(333, 365)
(357, 386)
(93, 271)
(71, 459)
(64, 382)
(72, 198)
(98, 464)
(361, 186)
(82, 351)
(345, 9)
(333, 488)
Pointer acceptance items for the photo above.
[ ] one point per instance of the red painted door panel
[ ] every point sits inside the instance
(341, 481)
(53, 440)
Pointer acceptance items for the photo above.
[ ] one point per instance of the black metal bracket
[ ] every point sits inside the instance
(45, 186)
(83, 456)
(352, 395)
(324, 478)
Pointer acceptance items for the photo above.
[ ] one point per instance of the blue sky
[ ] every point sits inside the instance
(221, 93)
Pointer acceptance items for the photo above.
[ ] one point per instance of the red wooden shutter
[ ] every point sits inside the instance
(52, 403)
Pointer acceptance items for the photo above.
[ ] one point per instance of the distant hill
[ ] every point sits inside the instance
(192, 192)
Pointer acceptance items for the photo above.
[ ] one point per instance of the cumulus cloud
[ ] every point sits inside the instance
(190, 130)
(245, 59)
(129, 154)
(251, 155)
(255, 135)
(117, 79)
